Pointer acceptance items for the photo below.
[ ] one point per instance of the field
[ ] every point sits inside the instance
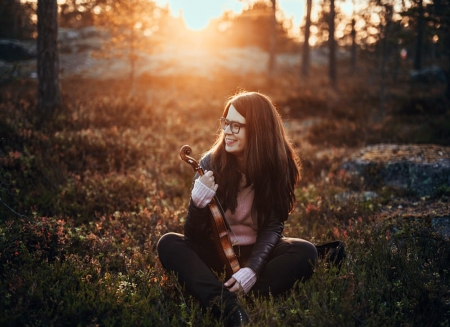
(85, 196)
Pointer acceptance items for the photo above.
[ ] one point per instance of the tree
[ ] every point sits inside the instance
(306, 47)
(273, 39)
(49, 93)
(252, 27)
(77, 13)
(441, 17)
(132, 27)
(419, 37)
(353, 46)
(332, 45)
(429, 22)
(385, 32)
(15, 19)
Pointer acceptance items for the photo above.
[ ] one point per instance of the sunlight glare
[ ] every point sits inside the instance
(313, 40)
(346, 8)
(197, 13)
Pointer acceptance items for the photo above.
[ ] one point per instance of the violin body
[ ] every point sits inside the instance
(219, 225)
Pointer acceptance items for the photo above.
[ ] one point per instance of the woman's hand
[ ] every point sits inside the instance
(242, 280)
(204, 189)
(233, 285)
(208, 180)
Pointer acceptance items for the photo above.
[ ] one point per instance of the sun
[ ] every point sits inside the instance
(197, 13)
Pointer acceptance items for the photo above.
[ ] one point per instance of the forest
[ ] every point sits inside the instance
(98, 96)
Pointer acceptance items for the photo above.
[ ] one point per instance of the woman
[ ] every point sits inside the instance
(253, 170)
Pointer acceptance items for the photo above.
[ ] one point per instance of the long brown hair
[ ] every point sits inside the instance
(269, 159)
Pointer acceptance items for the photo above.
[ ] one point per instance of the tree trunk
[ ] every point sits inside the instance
(332, 45)
(273, 40)
(447, 69)
(49, 93)
(353, 53)
(10, 12)
(132, 60)
(444, 12)
(306, 47)
(384, 57)
(419, 40)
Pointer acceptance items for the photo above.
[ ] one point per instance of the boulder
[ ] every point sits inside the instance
(423, 170)
(80, 40)
(430, 219)
(14, 50)
(430, 75)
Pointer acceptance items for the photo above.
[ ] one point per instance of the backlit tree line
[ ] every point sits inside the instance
(418, 29)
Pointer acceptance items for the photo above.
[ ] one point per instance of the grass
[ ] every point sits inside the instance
(86, 196)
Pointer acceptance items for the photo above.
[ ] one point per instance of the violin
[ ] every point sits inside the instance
(219, 225)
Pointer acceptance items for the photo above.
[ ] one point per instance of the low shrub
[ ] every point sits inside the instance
(85, 197)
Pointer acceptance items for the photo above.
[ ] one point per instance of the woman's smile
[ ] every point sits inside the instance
(235, 143)
(229, 141)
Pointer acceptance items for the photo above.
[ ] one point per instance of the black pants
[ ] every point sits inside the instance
(198, 266)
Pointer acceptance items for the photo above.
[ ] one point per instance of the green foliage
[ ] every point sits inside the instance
(403, 272)
(99, 151)
(28, 178)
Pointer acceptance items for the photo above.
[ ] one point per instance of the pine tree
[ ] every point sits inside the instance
(132, 26)
(49, 92)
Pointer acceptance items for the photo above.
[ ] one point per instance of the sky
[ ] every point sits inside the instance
(197, 13)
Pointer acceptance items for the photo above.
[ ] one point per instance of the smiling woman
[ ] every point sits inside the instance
(197, 13)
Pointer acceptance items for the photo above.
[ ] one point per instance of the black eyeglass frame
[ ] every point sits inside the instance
(235, 127)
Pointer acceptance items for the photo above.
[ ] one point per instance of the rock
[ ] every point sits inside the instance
(423, 170)
(71, 34)
(442, 226)
(430, 75)
(14, 50)
(80, 40)
(429, 219)
(356, 196)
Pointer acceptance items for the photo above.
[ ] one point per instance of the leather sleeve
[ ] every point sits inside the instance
(196, 226)
(268, 237)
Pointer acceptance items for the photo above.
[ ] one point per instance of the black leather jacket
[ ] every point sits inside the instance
(197, 229)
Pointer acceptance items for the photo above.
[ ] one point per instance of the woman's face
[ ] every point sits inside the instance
(235, 143)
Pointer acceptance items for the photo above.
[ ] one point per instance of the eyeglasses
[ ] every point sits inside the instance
(235, 127)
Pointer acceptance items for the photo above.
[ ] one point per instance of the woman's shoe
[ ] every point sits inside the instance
(237, 318)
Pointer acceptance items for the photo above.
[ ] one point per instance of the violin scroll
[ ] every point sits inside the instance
(185, 151)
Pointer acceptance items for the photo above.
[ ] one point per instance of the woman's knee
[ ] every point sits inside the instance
(311, 251)
(305, 250)
(167, 243)
(307, 256)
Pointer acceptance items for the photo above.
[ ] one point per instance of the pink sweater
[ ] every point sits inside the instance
(243, 227)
